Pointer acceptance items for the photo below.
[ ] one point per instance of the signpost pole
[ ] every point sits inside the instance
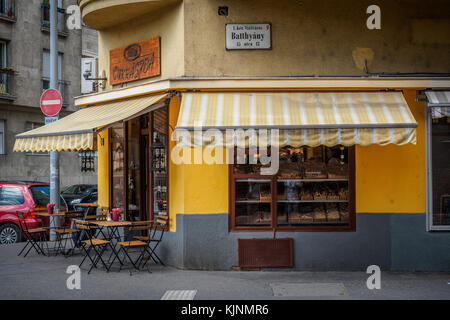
(54, 156)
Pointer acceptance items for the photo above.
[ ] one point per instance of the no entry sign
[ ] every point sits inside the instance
(51, 102)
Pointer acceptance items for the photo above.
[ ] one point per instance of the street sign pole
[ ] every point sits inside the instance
(54, 156)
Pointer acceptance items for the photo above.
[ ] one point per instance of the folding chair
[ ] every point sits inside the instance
(66, 232)
(154, 238)
(98, 245)
(142, 246)
(30, 235)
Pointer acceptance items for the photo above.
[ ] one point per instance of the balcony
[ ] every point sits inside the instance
(62, 29)
(8, 10)
(6, 76)
(63, 87)
(101, 14)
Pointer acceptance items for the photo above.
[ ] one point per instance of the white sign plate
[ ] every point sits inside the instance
(248, 36)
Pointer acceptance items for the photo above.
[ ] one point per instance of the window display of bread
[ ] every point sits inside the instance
(337, 171)
(314, 170)
(306, 194)
(306, 218)
(319, 215)
(265, 196)
(290, 170)
(282, 217)
(320, 192)
(294, 217)
(332, 212)
(263, 217)
(343, 193)
(333, 192)
(343, 210)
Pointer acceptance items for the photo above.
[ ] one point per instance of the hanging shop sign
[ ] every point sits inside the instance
(136, 61)
(248, 36)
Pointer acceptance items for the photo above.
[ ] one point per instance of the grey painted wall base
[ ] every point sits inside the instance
(391, 241)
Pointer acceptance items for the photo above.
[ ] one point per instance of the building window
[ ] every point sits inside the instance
(61, 17)
(2, 137)
(30, 126)
(313, 191)
(4, 71)
(439, 168)
(62, 85)
(7, 8)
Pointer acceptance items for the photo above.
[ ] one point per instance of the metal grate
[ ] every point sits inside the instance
(179, 295)
(269, 253)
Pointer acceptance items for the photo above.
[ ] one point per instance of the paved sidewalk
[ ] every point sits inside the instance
(38, 277)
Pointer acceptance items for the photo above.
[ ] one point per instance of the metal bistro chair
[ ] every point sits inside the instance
(154, 238)
(98, 245)
(66, 232)
(31, 235)
(142, 246)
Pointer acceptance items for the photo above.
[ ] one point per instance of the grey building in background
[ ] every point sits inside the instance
(25, 73)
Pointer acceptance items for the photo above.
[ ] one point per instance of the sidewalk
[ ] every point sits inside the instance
(38, 277)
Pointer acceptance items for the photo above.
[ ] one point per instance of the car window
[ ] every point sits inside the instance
(11, 196)
(71, 189)
(41, 196)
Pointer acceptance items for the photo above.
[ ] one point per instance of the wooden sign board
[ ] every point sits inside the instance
(136, 61)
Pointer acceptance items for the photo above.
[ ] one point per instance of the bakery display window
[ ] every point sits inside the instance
(312, 190)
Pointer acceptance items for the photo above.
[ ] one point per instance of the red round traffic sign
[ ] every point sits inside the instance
(51, 102)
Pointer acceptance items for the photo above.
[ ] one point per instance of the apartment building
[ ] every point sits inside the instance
(25, 73)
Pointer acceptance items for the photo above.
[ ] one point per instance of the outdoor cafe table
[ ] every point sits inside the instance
(113, 230)
(49, 227)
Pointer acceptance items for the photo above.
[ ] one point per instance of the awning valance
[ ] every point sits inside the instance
(305, 118)
(76, 131)
(439, 101)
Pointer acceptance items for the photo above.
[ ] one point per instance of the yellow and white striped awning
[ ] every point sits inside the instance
(77, 130)
(305, 118)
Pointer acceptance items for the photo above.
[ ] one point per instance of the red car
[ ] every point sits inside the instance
(21, 196)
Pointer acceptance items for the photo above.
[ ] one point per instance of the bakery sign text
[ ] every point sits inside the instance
(136, 61)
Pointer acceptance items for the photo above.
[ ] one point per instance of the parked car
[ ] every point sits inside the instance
(74, 194)
(90, 198)
(26, 197)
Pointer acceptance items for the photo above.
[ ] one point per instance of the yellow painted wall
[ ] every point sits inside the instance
(391, 179)
(319, 37)
(166, 23)
(103, 168)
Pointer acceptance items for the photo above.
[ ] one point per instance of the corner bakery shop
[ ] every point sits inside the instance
(362, 175)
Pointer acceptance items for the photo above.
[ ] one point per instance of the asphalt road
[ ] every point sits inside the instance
(40, 277)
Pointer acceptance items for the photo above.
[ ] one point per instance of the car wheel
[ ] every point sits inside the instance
(9, 233)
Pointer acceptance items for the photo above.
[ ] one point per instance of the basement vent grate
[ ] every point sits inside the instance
(179, 295)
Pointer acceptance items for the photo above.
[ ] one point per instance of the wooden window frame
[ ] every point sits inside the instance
(232, 177)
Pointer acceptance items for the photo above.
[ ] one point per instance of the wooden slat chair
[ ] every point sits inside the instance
(66, 232)
(98, 245)
(31, 235)
(154, 238)
(142, 246)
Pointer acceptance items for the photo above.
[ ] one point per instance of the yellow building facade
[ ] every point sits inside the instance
(318, 47)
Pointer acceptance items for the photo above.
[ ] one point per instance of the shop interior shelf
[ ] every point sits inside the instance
(254, 180)
(312, 180)
(253, 201)
(313, 201)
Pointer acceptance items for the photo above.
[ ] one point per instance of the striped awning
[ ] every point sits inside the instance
(77, 131)
(439, 102)
(305, 118)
